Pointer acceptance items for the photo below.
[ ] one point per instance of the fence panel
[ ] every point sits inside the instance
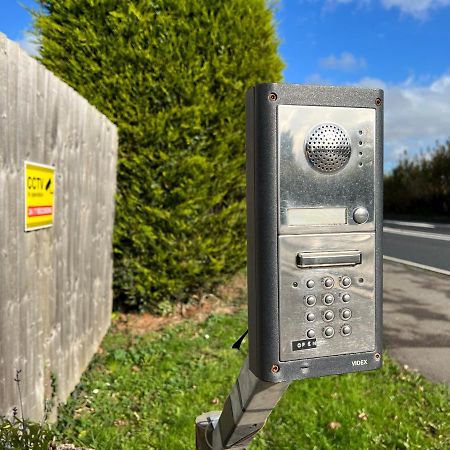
(55, 283)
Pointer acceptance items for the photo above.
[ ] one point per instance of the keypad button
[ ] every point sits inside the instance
(328, 332)
(310, 317)
(328, 315)
(310, 300)
(346, 298)
(328, 299)
(346, 282)
(346, 314)
(311, 334)
(310, 284)
(346, 330)
(328, 282)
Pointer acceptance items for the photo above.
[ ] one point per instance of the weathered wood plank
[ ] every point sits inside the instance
(3, 207)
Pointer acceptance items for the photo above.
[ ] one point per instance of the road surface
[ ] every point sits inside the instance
(416, 314)
(421, 244)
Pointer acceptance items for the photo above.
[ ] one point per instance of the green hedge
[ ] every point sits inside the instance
(420, 187)
(172, 75)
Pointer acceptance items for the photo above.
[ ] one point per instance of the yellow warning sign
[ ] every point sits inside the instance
(39, 196)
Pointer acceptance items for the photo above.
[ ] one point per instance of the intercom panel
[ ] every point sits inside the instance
(314, 210)
(326, 166)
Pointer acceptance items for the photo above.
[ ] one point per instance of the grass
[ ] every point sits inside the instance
(145, 392)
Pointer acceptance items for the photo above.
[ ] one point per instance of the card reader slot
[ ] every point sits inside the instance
(326, 259)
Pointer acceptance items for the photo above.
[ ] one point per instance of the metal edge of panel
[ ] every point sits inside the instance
(319, 96)
(379, 153)
(263, 299)
(250, 200)
(330, 365)
(312, 95)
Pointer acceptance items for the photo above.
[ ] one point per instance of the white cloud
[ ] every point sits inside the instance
(346, 61)
(332, 3)
(416, 115)
(337, 2)
(29, 43)
(372, 83)
(316, 78)
(415, 8)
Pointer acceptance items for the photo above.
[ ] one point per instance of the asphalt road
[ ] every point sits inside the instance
(420, 244)
(416, 314)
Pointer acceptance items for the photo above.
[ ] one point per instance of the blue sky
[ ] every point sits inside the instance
(402, 46)
(388, 43)
(15, 20)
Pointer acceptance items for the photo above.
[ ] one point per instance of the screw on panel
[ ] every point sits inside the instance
(377, 356)
(275, 368)
(378, 101)
(273, 97)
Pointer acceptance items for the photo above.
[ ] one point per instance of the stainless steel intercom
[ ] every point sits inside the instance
(314, 210)
(314, 228)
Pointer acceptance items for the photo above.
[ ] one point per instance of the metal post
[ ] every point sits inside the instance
(204, 426)
(245, 412)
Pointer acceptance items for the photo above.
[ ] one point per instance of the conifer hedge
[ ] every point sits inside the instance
(171, 74)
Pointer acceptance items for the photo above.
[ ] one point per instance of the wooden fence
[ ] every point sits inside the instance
(55, 283)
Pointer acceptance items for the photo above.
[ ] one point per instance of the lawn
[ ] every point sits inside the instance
(144, 392)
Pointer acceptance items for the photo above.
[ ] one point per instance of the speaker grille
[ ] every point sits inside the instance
(328, 148)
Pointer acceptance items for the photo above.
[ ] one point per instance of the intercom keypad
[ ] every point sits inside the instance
(332, 304)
